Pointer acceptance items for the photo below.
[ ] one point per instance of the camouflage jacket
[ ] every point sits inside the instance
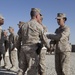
(12, 41)
(62, 39)
(31, 33)
(1, 41)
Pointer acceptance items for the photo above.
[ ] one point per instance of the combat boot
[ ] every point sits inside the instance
(20, 72)
(7, 67)
(42, 73)
(15, 69)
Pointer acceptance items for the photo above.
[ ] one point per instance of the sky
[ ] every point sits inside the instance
(19, 10)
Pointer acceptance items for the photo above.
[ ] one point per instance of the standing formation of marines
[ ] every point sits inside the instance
(30, 45)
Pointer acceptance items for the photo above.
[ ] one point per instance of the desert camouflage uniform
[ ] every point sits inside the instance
(63, 49)
(19, 32)
(42, 65)
(2, 50)
(6, 46)
(1, 37)
(31, 33)
(13, 52)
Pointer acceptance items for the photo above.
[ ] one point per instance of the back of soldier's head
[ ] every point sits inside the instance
(20, 24)
(34, 12)
(5, 32)
(11, 29)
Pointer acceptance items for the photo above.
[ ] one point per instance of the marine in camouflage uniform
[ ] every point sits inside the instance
(1, 38)
(12, 50)
(19, 25)
(63, 47)
(42, 54)
(6, 46)
(31, 34)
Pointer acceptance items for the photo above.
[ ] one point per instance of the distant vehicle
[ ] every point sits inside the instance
(73, 48)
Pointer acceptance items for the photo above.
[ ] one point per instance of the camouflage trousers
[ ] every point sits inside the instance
(42, 65)
(0, 59)
(62, 63)
(6, 58)
(28, 60)
(13, 58)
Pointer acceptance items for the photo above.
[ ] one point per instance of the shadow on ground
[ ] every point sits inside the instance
(6, 72)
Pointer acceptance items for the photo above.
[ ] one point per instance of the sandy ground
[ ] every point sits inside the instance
(50, 66)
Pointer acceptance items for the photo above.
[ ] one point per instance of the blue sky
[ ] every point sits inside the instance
(19, 10)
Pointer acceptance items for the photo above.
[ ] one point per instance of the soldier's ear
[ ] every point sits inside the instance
(65, 19)
(13, 29)
(36, 16)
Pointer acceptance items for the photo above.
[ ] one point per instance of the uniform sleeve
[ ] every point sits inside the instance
(54, 36)
(0, 33)
(6, 43)
(65, 34)
(18, 40)
(14, 40)
(45, 28)
(44, 39)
